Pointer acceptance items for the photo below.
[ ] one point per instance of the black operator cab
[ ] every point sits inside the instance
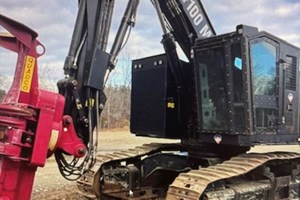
(247, 88)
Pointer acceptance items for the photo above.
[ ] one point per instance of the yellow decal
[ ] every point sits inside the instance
(171, 105)
(53, 139)
(27, 74)
(90, 103)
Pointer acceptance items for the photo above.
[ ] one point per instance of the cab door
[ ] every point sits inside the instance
(264, 66)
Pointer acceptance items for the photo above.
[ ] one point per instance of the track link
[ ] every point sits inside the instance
(191, 185)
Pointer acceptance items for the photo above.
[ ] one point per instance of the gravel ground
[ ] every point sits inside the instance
(50, 185)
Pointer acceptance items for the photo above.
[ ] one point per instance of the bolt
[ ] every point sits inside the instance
(67, 121)
(86, 121)
(101, 106)
(74, 82)
(81, 151)
(28, 140)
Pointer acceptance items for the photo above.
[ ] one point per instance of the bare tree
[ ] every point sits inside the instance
(5, 82)
(46, 80)
(118, 91)
(2, 94)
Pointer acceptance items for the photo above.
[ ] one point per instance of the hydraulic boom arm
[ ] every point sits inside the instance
(88, 64)
(87, 67)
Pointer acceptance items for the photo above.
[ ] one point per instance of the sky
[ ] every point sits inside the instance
(54, 20)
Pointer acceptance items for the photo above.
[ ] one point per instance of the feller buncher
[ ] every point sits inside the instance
(235, 91)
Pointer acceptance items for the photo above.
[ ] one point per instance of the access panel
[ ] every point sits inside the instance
(154, 109)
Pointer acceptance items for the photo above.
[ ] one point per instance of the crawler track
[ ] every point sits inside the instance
(214, 182)
(192, 185)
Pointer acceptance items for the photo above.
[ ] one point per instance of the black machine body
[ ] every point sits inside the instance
(154, 109)
(243, 90)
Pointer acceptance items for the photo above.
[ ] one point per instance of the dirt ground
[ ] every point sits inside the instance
(50, 185)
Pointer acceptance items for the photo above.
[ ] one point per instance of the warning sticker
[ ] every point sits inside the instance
(171, 105)
(28, 73)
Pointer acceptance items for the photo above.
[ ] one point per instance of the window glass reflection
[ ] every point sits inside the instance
(263, 56)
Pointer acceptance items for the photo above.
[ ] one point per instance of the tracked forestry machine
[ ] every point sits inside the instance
(234, 91)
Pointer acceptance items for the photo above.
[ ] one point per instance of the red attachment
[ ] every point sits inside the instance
(23, 41)
(69, 141)
(32, 124)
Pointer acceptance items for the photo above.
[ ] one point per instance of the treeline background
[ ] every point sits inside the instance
(116, 113)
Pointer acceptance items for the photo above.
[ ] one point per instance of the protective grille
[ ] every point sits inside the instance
(290, 73)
